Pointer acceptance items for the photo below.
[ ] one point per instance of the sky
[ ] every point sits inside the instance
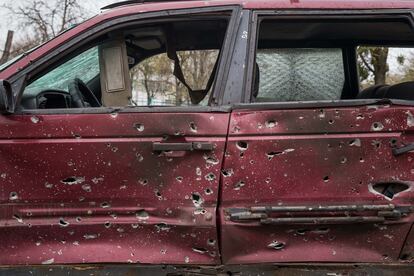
(7, 22)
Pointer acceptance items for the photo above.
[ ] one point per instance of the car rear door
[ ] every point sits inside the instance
(316, 181)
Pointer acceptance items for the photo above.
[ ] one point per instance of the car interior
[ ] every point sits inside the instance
(76, 81)
(314, 59)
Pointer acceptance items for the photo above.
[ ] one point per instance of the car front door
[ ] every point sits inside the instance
(113, 185)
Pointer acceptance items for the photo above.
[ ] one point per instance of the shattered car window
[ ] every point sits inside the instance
(84, 66)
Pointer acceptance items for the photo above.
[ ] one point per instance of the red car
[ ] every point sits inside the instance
(208, 137)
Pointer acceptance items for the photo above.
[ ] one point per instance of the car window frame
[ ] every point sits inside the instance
(351, 81)
(83, 40)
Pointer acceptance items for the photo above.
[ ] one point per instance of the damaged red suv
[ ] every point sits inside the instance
(213, 137)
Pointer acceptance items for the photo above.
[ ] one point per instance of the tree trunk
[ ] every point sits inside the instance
(379, 62)
(7, 47)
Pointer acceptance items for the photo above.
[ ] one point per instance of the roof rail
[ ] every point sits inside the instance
(131, 2)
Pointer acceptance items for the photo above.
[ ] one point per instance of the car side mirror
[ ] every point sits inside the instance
(6, 98)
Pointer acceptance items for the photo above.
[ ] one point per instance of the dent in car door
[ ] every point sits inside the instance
(317, 185)
(96, 189)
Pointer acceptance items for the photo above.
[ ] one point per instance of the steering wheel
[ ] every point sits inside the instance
(81, 95)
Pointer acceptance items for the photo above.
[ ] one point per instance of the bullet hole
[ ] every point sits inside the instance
(393, 142)
(163, 251)
(228, 172)
(302, 232)
(321, 113)
(271, 124)
(74, 180)
(140, 158)
(162, 227)
(18, 218)
(210, 177)
(179, 178)
(48, 185)
(405, 256)
(79, 219)
(193, 127)
(385, 257)
(139, 127)
(48, 262)
(87, 188)
(321, 231)
(63, 223)
(213, 254)
(198, 171)
(135, 226)
(187, 260)
(142, 215)
(211, 242)
(114, 115)
(377, 126)
(120, 230)
(355, 143)
(361, 160)
(13, 196)
(211, 160)
(107, 224)
(360, 117)
(158, 194)
(239, 185)
(376, 144)
(276, 245)
(208, 191)
(389, 190)
(90, 236)
(331, 122)
(241, 145)
(200, 250)
(200, 211)
(268, 180)
(114, 149)
(197, 199)
(326, 179)
(272, 154)
(143, 182)
(344, 160)
(35, 119)
(410, 119)
(105, 205)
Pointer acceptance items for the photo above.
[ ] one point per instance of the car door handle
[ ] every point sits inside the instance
(194, 146)
(401, 151)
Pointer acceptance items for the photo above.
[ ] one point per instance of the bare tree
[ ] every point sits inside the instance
(41, 20)
(7, 47)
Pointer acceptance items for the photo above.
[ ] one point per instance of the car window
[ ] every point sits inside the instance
(301, 74)
(84, 66)
(134, 69)
(154, 83)
(380, 65)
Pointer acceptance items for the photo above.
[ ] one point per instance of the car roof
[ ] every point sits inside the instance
(148, 6)
(271, 4)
